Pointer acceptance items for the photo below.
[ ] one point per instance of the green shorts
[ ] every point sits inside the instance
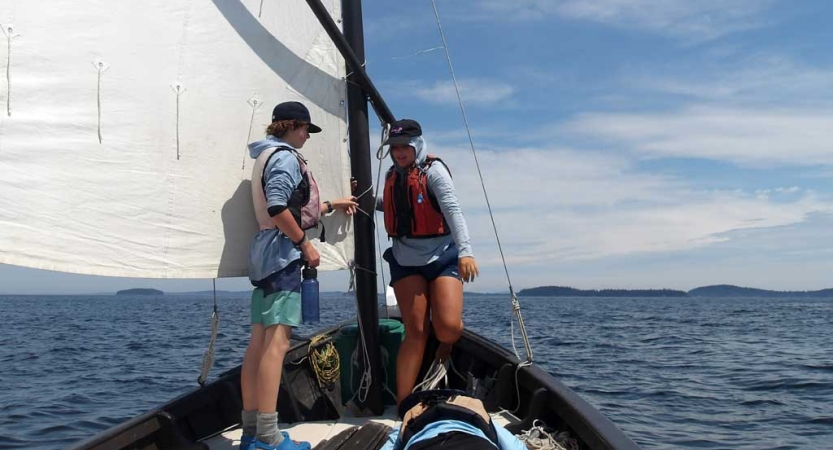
(279, 300)
(279, 308)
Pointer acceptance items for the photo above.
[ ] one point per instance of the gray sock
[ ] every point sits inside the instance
(248, 420)
(267, 429)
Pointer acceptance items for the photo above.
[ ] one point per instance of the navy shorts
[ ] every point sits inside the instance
(444, 266)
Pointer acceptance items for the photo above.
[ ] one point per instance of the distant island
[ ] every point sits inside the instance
(727, 290)
(722, 290)
(563, 291)
(140, 291)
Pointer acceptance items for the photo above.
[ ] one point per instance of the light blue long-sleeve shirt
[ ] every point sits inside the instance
(271, 250)
(506, 439)
(419, 252)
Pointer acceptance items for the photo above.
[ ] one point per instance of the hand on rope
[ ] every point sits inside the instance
(347, 204)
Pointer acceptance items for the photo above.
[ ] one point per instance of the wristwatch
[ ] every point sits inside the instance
(303, 239)
(329, 206)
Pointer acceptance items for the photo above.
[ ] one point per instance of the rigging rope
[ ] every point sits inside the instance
(437, 373)
(208, 357)
(366, 378)
(516, 307)
(380, 155)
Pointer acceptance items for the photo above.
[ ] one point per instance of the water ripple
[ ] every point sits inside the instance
(672, 373)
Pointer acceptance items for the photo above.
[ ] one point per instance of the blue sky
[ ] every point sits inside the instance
(623, 143)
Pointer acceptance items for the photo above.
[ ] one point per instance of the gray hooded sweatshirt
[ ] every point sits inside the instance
(272, 250)
(419, 252)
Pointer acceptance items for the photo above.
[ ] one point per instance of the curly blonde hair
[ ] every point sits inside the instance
(279, 128)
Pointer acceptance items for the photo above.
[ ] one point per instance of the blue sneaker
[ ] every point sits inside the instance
(247, 443)
(286, 444)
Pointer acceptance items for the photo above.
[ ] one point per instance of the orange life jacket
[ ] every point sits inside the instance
(411, 210)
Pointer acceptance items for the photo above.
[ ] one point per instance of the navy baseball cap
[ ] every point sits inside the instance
(402, 131)
(294, 111)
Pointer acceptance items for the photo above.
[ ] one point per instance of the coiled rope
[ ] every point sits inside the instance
(324, 360)
(540, 437)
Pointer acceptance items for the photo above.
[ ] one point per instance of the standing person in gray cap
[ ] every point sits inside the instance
(431, 253)
(286, 202)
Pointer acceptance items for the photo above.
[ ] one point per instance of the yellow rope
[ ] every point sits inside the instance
(324, 360)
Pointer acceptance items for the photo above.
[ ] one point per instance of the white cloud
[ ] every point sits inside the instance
(755, 137)
(764, 110)
(823, 172)
(473, 91)
(562, 234)
(558, 205)
(698, 20)
(759, 79)
(795, 257)
(791, 189)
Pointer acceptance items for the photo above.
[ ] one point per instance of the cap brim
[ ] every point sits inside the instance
(314, 128)
(398, 140)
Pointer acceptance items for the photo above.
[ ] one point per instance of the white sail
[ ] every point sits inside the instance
(124, 124)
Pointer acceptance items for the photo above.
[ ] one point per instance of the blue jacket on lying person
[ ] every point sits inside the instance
(450, 420)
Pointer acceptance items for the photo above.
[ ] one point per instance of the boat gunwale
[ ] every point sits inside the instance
(592, 428)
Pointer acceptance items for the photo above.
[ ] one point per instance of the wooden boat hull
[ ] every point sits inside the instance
(530, 392)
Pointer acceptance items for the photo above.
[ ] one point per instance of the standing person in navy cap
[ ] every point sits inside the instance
(286, 202)
(431, 254)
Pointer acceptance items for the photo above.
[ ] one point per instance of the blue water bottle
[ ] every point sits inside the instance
(309, 295)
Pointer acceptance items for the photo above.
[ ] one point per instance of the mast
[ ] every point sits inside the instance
(364, 227)
(359, 89)
(355, 64)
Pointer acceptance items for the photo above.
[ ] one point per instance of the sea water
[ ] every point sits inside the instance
(672, 373)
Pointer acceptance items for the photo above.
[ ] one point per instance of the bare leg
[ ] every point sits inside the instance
(276, 344)
(446, 300)
(411, 294)
(251, 362)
